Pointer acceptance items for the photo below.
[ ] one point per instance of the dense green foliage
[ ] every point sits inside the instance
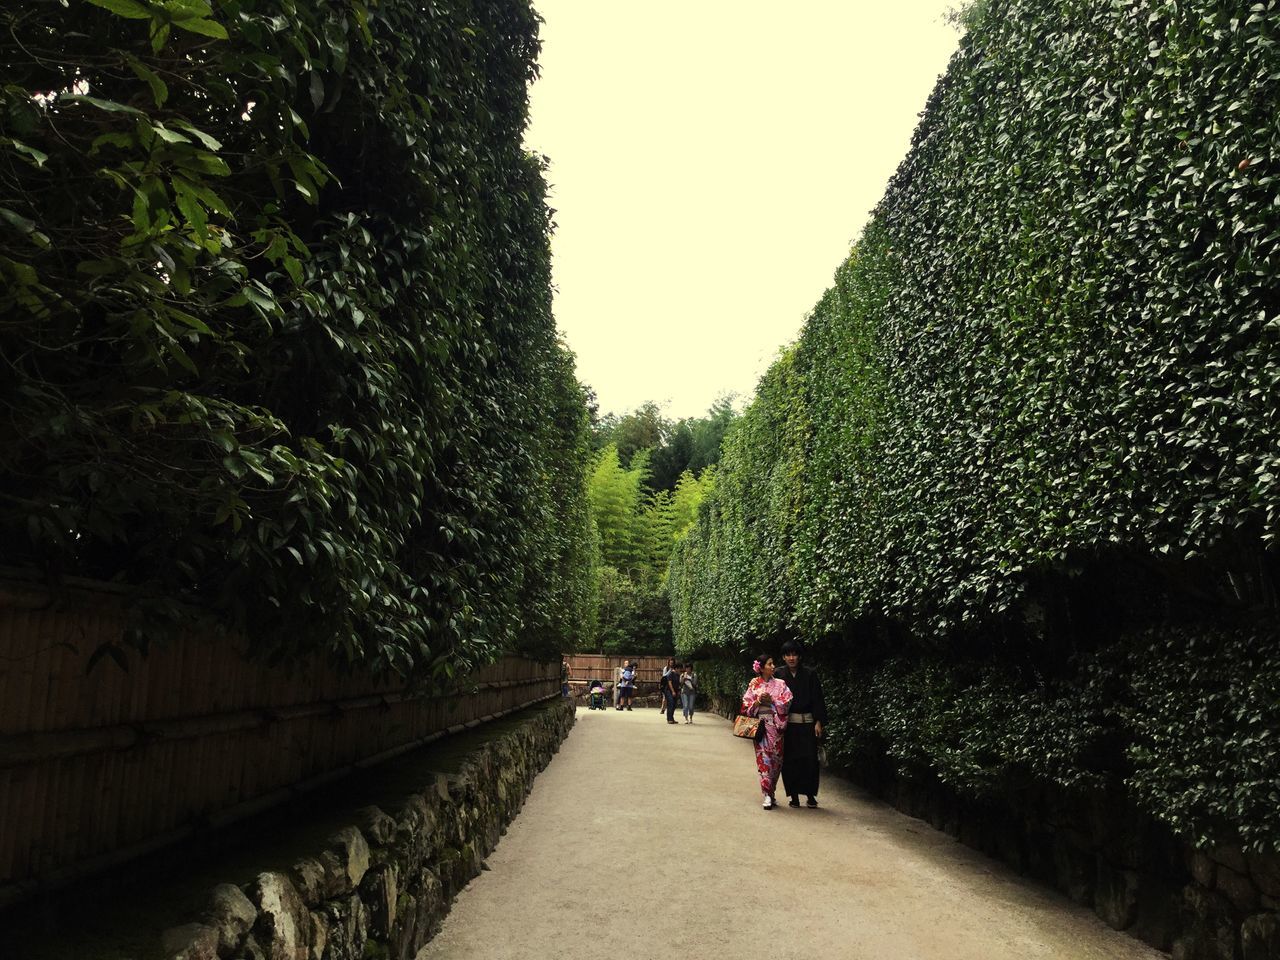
(1054, 351)
(1183, 716)
(636, 532)
(689, 444)
(650, 476)
(275, 330)
(723, 679)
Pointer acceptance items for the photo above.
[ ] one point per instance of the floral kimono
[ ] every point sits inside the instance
(773, 719)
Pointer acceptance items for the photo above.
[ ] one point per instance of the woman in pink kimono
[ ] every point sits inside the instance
(768, 699)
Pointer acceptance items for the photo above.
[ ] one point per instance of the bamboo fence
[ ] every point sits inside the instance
(100, 765)
(584, 667)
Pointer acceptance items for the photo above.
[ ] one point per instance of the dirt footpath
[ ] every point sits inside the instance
(643, 840)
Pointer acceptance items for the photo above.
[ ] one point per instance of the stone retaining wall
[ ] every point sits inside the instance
(382, 886)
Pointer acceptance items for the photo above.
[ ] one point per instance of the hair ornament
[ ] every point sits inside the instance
(755, 667)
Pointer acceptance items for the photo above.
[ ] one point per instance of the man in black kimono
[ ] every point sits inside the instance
(804, 727)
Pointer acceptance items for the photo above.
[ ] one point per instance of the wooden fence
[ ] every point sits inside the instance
(584, 667)
(98, 766)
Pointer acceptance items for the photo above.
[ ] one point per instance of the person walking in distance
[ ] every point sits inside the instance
(662, 684)
(688, 691)
(671, 691)
(804, 726)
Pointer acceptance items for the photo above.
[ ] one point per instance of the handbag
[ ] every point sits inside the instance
(748, 728)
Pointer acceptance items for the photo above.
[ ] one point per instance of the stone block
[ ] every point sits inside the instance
(347, 858)
(442, 786)
(1115, 895)
(937, 814)
(1239, 889)
(403, 940)
(1230, 856)
(1264, 868)
(378, 828)
(283, 926)
(418, 917)
(251, 949)
(319, 935)
(380, 890)
(232, 914)
(1260, 937)
(971, 831)
(192, 941)
(1073, 871)
(1008, 844)
(1102, 820)
(348, 930)
(1159, 911)
(1040, 862)
(416, 838)
(311, 880)
(461, 786)
(1203, 868)
(1207, 928)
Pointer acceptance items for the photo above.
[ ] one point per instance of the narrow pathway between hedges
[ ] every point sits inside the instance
(643, 840)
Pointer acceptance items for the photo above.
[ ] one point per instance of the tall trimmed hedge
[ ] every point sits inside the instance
(276, 333)
(1052, 358)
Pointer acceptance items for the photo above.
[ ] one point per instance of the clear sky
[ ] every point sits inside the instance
(711, 163)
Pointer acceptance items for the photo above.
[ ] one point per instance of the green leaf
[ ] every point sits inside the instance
(190, 207)
(168, 136)
(186, 319)
(184, 360)
(206, 28)
(205, 163)
(159, 89)
(258, 299)
(23, 225)
(141, 212)
(200, 135)
(110, 106)
(187, 9)
(206, 196)
(129, 9)
(159, 36)
(122, 140)
(37, 157)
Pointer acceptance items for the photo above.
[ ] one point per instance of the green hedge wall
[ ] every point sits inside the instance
(276, 326)
(1182, 716)
(1054, 351)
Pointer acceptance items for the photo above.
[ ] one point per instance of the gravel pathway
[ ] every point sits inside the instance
(643, 840)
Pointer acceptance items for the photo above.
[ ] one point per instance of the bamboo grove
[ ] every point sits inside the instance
(275, 328)
(1018, 481)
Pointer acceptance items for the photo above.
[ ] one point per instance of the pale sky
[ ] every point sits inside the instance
(712, 161)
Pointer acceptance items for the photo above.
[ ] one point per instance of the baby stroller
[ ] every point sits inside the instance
(595, 700)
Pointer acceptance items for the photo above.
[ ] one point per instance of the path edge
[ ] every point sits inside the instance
(382, 886)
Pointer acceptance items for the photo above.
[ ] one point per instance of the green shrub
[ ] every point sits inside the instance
(1201, 706)
(277, 331)
(1050, 360)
